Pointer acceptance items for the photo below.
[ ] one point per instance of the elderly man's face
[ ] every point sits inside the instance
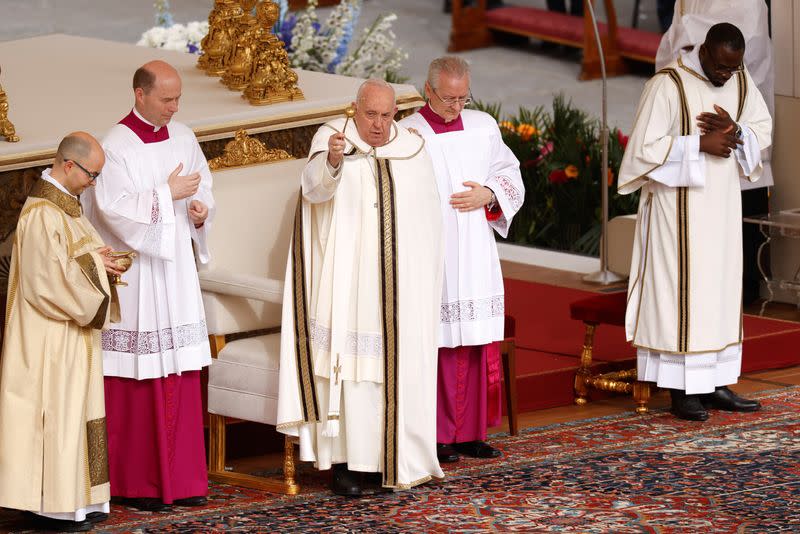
(374, 114)
(449, 97)
(161, 103)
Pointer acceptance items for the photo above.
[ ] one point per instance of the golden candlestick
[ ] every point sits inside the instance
(124, 260)
(7, 129)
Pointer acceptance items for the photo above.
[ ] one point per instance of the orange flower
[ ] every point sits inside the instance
(507, 125)
(571, 171)
(610, 177)
(526, 131)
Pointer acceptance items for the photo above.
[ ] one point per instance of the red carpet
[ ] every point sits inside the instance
(549, 343)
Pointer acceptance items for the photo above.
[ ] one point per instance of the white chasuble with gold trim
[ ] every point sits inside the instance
(684, 295)
(53, 455)
(359, 340)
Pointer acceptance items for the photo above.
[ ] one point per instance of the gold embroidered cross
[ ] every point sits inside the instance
(337, 369)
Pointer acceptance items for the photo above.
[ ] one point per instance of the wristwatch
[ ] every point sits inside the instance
(738, 131)
(492, 201)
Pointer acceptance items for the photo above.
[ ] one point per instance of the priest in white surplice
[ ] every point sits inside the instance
(361, 303)
(701, 125)
(480, 189)
(156, 199)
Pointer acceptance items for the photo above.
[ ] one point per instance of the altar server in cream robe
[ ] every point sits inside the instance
(700, 126)
(53, 458)
(692, 20)
(480, 190)
(156, 200)
(361, 303)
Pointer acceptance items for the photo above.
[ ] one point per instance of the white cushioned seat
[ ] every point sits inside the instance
(243, 382)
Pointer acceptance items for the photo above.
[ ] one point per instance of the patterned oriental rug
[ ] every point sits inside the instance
(623, 473)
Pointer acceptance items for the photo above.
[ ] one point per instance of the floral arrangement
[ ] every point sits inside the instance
(310, 44)
(560, 160)
(170, 36)
(326, 47)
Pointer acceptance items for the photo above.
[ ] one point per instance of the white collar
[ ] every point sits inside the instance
(155, 128)
(47, 178)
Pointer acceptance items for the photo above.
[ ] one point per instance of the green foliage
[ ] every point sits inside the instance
(560, 161)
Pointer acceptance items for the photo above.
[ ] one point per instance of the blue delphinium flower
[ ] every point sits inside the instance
(347, 36)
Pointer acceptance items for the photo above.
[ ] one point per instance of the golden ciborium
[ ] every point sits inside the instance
(124, 260)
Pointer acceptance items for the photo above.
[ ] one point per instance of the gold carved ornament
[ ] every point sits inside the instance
(246, 54)
(7, 129)
(244, 150)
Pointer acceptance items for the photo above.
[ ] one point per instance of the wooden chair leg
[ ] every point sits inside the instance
(641, 394)
(216, 343)
(583, 374)
(216, 443)
(510, 382)
(292, 488)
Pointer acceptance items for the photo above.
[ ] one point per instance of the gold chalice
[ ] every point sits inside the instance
(123, 259)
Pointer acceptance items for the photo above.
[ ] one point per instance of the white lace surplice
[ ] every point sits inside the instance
(163, 329)
(473, 310)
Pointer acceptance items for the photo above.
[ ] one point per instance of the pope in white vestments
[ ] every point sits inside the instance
(156, 200)
(700, 126)
(480, 190)
(361, 304)
(53, 456)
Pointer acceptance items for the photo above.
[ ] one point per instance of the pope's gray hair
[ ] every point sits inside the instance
(376, 83)
(451, 65)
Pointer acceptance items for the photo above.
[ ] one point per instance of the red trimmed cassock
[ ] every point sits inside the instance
(152, 359)
(472, 314)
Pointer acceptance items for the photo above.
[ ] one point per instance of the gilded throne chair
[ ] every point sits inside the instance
(242, 294)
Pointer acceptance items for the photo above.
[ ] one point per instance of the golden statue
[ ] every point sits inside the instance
(240, 65)
(221, 37)
(272, 79)
(244, 150)
(7, 129)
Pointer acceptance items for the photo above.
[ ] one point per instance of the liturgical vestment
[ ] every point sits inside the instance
(361, 310)
(472, 312)
(684, 310)
(52, 419)
(152, 359)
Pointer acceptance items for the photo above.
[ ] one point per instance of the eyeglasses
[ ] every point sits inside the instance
(721, 69)
(92, 175)
(450, 100)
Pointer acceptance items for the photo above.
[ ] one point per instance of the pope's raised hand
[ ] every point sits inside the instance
(182, 186)
(335, 149)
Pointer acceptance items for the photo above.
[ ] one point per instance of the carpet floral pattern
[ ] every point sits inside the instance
(624, 473)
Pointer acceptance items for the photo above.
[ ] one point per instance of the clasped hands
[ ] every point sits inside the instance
(183, 186)
(718, 133)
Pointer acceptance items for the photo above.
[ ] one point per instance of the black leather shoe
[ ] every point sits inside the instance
(96, 517)
(687, 407)
(725, 399)
(446, 453)
(477, 449)
(59, 525)
(345, 482)
(145, 504)
(191, 501)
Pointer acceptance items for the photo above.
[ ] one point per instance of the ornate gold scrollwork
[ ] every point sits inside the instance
(7, 129)
(244, 150)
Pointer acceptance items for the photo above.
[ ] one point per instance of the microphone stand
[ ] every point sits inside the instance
(603, 276)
